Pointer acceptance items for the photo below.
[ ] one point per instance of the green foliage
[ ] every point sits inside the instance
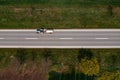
(84, 53)
(89, 67)
(4, 59)
(110, 75)
(53, 75)
(112, 62)
(33, 56)
(63, 60)
(106, 76)
(110, 10)
(117, 77)
(46, 54)
(21, 56)
(64, 63)
(61, 2)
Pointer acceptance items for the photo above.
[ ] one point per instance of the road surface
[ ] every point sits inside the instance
(76, 38)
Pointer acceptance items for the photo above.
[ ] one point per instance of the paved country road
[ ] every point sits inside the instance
(61, 38)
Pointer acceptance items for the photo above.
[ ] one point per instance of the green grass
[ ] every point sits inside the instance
(61, 2)
(104, 55)
(59, 14)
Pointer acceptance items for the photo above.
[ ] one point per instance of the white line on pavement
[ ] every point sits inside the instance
(59, 46)
(17, 30)
(87, 30)
(1, 38)
(101, 38)
(31, 38)
(65, 38)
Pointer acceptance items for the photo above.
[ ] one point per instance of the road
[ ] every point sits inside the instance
(76, 38)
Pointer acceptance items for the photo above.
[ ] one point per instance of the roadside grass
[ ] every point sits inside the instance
(106, 57)
(61, 2)
(35, 16)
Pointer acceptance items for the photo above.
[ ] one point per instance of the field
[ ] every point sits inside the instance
(29, 14)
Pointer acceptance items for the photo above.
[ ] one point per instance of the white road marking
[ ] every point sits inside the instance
(96, 30)
(31, 38)
(10, 46)
(65, 38)
(17, 30)
(2, 38)
(101, 38)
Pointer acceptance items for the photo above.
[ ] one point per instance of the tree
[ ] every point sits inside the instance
(64, 62)
(89, 67)
(112, 61)
(106, 76)
(117, 75)
(110, 76)
(84, 53)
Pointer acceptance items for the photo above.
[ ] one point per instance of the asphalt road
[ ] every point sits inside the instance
(60, 39)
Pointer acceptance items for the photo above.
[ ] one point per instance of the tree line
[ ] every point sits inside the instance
(47, 64)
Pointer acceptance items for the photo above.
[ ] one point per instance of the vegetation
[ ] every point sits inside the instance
(59, 64)
(60, 2)
(32, 14)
